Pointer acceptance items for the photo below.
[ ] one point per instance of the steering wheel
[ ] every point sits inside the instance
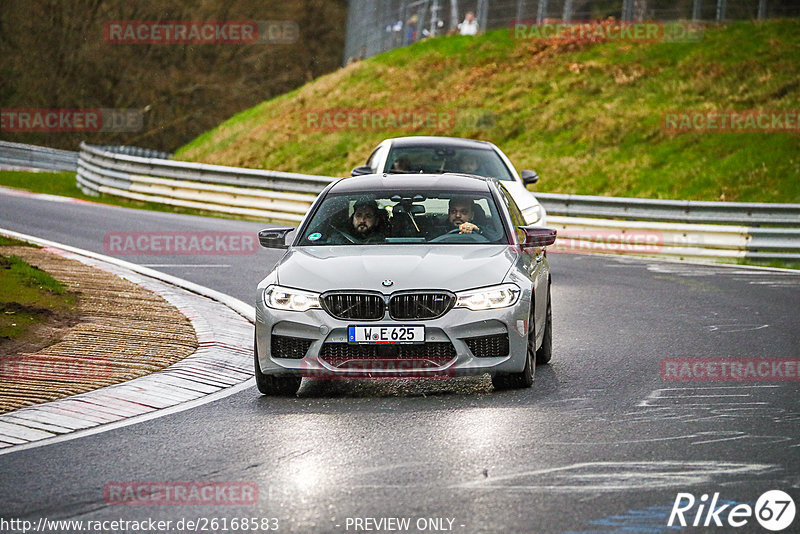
(461, 237)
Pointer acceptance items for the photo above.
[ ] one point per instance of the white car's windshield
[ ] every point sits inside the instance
(404, 217)
(436, 160)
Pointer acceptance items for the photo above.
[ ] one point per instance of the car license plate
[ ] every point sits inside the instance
(386, 334)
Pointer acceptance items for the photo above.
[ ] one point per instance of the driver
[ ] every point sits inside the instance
(366, 224)
(401, 165)
(460, 215)
(469, 163)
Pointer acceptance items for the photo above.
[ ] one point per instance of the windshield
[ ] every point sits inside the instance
(404, 217)
(435, 160)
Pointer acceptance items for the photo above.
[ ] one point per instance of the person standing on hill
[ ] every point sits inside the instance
(470, 25)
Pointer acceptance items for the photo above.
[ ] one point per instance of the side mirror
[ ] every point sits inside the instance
(274, 237)
(361, 171)
(538, 237)
(529, 177)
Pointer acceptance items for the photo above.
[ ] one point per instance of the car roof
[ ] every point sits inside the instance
(450, 142)
(438, 182)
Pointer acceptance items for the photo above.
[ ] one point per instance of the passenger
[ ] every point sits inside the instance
(366, 224)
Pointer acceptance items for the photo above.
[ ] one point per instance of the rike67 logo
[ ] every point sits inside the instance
(774, 510)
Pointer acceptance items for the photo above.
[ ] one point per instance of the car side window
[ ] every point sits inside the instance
(517, 219)
(372, 162)
(378, 156)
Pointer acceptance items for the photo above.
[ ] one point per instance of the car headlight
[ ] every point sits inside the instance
(488, 298)
(532, 214)
(288, 299)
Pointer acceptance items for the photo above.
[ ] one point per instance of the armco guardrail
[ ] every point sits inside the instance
(676, 240)
(683, 211)
(677, 229)
(726, 230)
(250, 192)
(130, 150)
(37, 157)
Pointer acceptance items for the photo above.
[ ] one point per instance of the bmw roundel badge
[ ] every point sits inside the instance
(387, 283)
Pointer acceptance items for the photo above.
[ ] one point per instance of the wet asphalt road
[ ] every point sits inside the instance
(601, 443)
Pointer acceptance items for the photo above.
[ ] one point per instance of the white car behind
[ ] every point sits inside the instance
(431, 155)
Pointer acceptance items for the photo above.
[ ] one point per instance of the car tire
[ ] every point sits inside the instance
(525, 378)
(545, 352)
(274, 385)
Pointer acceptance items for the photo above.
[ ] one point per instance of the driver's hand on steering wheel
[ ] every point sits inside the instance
(468, 228)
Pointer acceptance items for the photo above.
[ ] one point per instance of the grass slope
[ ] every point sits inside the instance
(587, 116)
(28, 295)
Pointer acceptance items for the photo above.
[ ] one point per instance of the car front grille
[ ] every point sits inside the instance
(488, 346)
(416, 306)
(434, 353)
(289, 347)
(360, 306)
(419, 306)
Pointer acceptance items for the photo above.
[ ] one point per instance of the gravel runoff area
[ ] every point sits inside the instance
(123, 331)
(187, 343)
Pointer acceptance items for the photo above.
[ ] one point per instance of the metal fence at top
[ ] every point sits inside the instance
(375, 26)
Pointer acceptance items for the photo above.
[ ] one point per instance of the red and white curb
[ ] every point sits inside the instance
(40, 196)
(221, 366)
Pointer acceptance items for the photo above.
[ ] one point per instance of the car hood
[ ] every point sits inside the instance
(451, 267)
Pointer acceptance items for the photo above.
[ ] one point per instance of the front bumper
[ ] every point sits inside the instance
(460, 343)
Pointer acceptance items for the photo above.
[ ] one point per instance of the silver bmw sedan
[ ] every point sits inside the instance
(415, 275)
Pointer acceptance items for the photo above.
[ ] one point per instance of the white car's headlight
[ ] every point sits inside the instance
(288, 299)
(533, 214)
(488, 298)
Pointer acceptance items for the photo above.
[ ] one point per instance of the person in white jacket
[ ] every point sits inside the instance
(470, 25)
